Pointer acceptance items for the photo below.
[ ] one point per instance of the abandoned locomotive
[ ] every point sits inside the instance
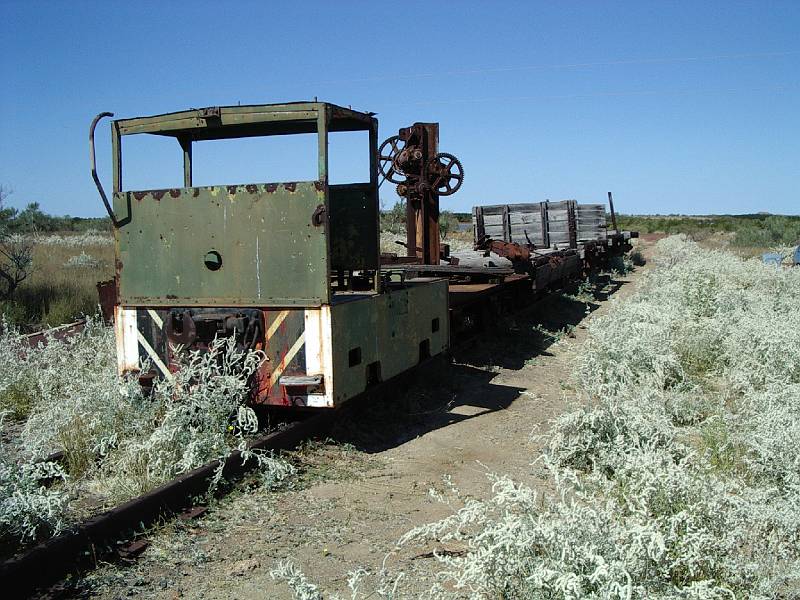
(294, 269)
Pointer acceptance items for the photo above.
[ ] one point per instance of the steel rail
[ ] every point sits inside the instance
(51, 560)
(58, 333)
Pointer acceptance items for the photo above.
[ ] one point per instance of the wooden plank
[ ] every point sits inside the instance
(559, 205)
(557, 217)
(519, 229)
(495, 209)
(523, 218)
(494, 231)
(524, 207)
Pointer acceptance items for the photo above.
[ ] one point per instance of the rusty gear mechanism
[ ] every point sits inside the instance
(401, 161)
(445, 174)
(390, 149)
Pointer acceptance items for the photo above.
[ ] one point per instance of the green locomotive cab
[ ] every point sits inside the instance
(288, 268)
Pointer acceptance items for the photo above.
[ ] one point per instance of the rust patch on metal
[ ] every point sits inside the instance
(232, 189)
(158, 194)
(196, 192)
(319, 186)
(133, 549)
(175, 193)
(192, 513)
(271, 187)
(210, 112)
(291, 186)
(139, 195)
(251, 189)
(318, 217)
(107, 294)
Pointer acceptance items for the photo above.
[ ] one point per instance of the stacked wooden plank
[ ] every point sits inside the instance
(543, 224)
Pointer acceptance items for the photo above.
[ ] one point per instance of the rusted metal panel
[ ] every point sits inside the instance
(556, 270)
(62, 332)
(248, 245)
(290, 336)
(107, 294)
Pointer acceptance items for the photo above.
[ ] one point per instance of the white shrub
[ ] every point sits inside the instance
(82, 260)
(28, 508)
(679, 476)
(90, 237)
(195, 417)
(117, 440)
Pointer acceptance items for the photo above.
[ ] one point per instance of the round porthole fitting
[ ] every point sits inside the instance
(213, 260)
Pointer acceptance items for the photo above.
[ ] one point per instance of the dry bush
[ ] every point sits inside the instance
(62, 285)
(678, 476)
(117, 441)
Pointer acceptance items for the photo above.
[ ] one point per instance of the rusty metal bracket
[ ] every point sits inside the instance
(318, 216)
(211, 112)
(100, 189)
(613, 214)
(181, 331)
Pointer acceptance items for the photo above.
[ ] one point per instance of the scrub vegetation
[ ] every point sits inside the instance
(62, 284)
(49, 265)
(393, 229)
(743, 231)
(115, 440)
(677, 475)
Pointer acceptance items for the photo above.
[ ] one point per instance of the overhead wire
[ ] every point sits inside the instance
(610, 94)
(610, 63)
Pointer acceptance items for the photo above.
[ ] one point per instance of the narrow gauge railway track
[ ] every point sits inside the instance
(39, 569)
(78, 549)
(58, 333)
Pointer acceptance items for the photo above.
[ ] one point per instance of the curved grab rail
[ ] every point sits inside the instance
(94, 166)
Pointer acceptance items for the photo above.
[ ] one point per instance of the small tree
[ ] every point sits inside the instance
(394, 220)
(16, 252)
(448, 223)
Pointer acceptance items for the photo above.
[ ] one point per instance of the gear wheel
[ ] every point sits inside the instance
(387, 154)
(445, 174)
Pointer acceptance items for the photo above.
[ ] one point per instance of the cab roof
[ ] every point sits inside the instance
(225, 122)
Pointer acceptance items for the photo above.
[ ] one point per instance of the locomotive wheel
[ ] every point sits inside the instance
(446, 174)
(387, 154)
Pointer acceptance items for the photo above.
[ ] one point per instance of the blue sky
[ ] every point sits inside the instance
(676, 107)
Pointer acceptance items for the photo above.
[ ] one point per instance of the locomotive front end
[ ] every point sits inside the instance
(289, 269)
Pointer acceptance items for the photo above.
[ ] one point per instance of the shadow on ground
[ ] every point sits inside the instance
(429, 399)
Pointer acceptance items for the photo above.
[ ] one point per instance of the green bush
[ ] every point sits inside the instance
(758, 231)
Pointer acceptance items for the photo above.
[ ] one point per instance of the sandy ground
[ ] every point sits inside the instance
(358, 493)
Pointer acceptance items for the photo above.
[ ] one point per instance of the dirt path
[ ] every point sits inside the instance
(358, 495)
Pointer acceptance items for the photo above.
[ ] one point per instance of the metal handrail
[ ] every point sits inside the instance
(94, 167)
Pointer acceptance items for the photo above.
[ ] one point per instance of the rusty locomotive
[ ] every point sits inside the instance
(294, 269)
